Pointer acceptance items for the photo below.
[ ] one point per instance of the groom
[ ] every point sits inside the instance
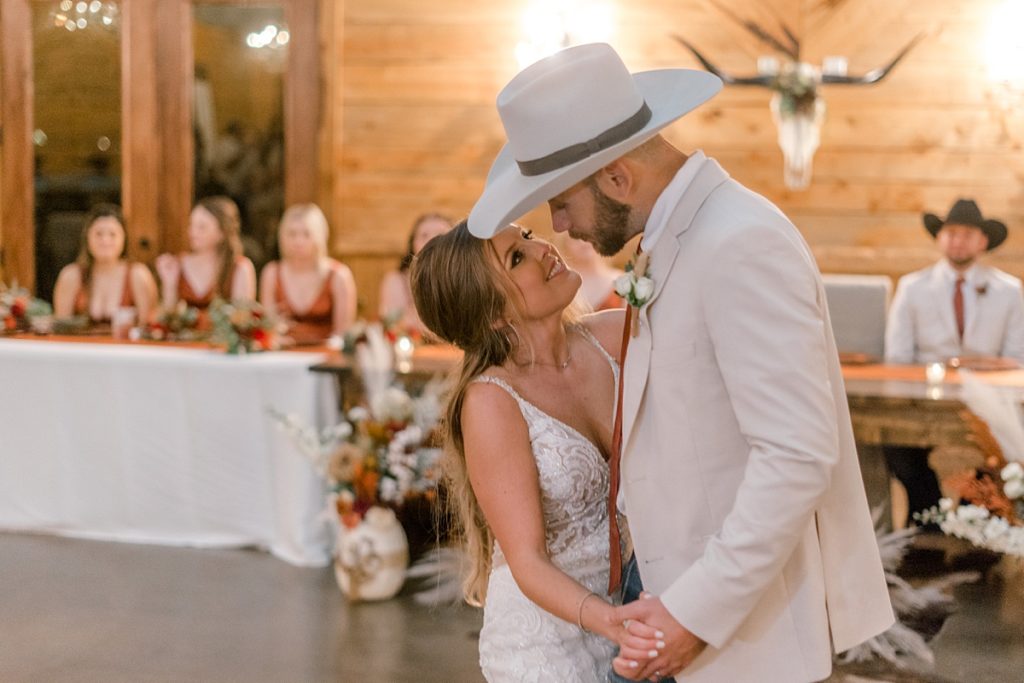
(738, 469)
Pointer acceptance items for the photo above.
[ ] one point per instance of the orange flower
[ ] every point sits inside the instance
(351, 520)
(981, 488)
(366, 485)
(342, 505)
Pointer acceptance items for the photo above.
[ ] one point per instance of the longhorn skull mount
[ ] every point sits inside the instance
(797, 107)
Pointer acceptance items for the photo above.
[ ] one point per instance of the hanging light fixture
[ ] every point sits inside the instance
(270, 37)
(79, 15)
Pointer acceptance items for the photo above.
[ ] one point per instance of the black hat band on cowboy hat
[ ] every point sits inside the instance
(966, 212)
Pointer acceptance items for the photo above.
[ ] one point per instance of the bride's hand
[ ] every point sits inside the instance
(678, 646)
(638, 645)
(637, 642)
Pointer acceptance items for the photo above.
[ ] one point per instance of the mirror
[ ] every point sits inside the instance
(76, 57)
(240, 56)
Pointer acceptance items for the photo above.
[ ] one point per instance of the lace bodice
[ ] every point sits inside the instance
(520, 641)
(573, 484)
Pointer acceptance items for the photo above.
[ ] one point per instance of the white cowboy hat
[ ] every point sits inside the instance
(571, 114)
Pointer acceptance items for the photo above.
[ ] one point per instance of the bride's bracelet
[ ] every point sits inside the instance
(579, 610)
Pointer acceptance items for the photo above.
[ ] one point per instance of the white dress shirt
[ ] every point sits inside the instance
(669, 198)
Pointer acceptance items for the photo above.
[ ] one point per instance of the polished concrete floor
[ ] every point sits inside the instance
(86, 611)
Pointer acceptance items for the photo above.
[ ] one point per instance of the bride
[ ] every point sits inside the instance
(529, 432)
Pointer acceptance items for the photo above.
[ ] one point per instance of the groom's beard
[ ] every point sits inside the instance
(611, 223)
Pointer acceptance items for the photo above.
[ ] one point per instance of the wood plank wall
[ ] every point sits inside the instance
(412, 88)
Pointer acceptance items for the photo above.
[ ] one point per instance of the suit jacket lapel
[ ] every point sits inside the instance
(663, 257)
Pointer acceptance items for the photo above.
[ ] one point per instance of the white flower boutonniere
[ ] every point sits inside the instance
(635, 287)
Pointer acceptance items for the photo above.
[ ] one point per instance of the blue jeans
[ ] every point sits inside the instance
(631, 589)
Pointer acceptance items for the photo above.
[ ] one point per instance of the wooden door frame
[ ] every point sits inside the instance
(156, 105)
(17, 213)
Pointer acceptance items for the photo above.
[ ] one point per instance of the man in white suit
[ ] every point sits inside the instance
(739, 474)
(957, 308)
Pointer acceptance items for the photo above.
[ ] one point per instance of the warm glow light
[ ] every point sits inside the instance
(552, 25)
(78, 16)
(1004, 51)
(270, 36)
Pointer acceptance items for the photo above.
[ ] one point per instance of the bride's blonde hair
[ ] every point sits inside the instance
(461, 294)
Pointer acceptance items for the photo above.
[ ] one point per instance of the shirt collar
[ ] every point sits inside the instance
(669, 198)
(950, 274)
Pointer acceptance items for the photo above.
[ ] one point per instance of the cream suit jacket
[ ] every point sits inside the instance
(922, 322)
(741, 481)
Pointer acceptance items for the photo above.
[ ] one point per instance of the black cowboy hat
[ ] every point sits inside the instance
(966, 212)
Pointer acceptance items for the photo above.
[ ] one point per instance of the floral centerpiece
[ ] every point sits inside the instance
(989, 510)
(383, 455)
(988, 504)
(377, 462)
(242, 327)
(178, 323)
(395, 330)
(21, 312)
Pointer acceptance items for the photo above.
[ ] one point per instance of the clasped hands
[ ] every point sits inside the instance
(652, 644)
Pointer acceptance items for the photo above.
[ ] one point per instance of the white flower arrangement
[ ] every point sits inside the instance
(392, 405)
(977, 525)
(634, 286)
(988, 506)
(379, 456)
(1013, 475)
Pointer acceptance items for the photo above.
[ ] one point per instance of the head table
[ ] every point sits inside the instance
(168, 444)
(161, 444)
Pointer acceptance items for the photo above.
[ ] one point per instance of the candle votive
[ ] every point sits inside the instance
(935, 372)
(403, 354)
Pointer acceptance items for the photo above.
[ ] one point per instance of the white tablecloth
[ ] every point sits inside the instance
(161, 445)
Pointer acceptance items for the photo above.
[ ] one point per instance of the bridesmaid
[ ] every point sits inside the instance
(215, 266)
(314, 293)
(395, 295)
(102, 280)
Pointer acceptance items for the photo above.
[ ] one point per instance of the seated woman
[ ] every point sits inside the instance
(101, 280)
(314, 293)
(215, 266)
(395, 295)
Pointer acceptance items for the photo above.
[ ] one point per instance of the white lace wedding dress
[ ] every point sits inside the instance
(520, 642)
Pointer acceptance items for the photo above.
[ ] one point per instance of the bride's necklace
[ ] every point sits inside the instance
(559, 365)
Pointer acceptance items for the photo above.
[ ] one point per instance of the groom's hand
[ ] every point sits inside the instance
(681, 646)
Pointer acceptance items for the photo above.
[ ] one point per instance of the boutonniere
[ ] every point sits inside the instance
(635, 287)
(981, 289)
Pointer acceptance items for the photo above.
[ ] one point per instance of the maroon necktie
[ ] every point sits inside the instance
(958, 306)
(614, 552)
